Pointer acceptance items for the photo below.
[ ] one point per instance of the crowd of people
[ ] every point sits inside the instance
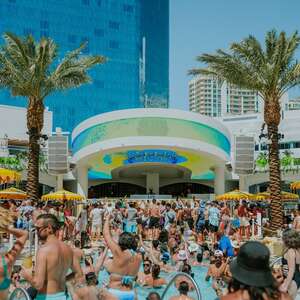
(141, 244)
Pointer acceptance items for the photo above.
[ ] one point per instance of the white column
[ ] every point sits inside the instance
(219, 179)
(152, 182)
(243, 183)
(59, 182)
(82, 180)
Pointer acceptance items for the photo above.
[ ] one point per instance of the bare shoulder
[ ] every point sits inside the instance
(65, 247)
(285, 296)
(231, 296)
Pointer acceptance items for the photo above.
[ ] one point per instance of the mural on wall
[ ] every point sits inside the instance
(105, 163)
(151, 126)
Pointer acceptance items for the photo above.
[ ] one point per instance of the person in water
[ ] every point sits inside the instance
(124, 266)
(252, 278)
(183, 290)
(291, 262)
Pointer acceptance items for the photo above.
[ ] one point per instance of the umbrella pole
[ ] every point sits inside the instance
(11, 241)
(36, 243)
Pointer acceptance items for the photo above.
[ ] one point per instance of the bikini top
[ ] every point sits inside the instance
(126, 280)
(6, 280)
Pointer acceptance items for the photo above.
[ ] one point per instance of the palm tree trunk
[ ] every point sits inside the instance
(35, 122)
(275, 180)
(32, 187)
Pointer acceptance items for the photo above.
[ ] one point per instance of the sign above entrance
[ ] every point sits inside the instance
(103, 164)
(153, 156)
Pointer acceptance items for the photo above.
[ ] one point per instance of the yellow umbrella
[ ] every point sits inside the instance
(295, 185)
(284, 196)
(7, 176)
(235, 195)
(63, 195)
(13, 193)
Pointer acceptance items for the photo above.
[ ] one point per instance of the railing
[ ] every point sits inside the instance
(199, 296)
(19, 294)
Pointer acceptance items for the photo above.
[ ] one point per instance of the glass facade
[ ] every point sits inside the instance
(132, 34)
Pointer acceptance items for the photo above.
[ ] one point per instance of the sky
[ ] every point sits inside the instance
(202, 26)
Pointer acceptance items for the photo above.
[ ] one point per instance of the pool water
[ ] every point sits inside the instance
(199, 275)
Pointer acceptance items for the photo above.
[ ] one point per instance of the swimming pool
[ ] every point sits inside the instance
(199, 275)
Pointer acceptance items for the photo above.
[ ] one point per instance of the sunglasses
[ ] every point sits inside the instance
(38, 228)
(147, 265)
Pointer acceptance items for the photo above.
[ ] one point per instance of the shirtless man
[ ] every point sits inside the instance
(216, 271)
(78, 253)
(183, 290)
(154, 219)
(54, 259)
(296, 222)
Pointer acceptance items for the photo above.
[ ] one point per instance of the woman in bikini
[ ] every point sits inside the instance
(124, 266)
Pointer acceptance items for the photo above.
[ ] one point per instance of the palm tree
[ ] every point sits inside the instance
(28, 68)
(271, 70)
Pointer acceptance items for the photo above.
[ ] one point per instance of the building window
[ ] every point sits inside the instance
(27, 31)
(99, 84)
(85, 2)
(128, 8)
(44, 24)
(114, 25)
(44, 33)
(98, 32)
(72, 38)
(113, 44)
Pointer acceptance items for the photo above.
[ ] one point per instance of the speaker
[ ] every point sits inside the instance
(58, 154)
(244, 155)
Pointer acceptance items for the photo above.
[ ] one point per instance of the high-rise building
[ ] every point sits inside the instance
(239, 101)
(205, 96)
(211, 97)
(132, 34)
(293, 104)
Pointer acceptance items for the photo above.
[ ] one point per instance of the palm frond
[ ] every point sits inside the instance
(26, 66)
(269, 71)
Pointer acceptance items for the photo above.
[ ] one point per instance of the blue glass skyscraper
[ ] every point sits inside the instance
(132, 34)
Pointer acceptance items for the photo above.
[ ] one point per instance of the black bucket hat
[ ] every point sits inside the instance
(251, 266)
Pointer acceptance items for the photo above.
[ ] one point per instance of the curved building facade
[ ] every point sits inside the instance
(133, 35)
(151, 147)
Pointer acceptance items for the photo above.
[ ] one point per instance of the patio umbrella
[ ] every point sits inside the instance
(234, 195)
(267, 196)
(13, 194)
(295, 185)
(62, 195)
(7, 176)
